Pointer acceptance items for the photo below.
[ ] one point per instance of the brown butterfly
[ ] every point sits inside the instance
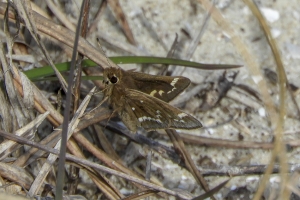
(140, 100)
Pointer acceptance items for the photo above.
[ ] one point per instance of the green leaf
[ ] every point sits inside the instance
(46, 71)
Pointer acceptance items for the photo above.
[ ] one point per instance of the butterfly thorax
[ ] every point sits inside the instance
(114, 90)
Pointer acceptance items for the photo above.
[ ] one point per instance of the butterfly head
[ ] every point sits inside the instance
(111, 76)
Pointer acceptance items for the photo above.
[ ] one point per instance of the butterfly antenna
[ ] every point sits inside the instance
(98, 40)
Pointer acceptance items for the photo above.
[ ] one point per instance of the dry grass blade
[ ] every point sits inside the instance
(148, 166)
(240, 170)
(118, 45)
(60, 15)
(150, 29)
(93, 25)
(20, 115)
(279, 149)
(6, 147)
(28, 97)
(12, 197)
(16, 174)
(180, 148)
(212, 191)
(65, 36)
(66, 132)
(140, 195)
(205, 141)
(51, 159)
(24, 9)
(74, 171)
(121, 18)
(6, 116)
(197, 39)
(80, 57)
(106, 145)
(164, 68)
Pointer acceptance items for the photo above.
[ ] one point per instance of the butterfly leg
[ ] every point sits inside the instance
(103, 100)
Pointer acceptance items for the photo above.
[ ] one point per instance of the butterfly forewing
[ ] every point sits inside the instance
(165, 88)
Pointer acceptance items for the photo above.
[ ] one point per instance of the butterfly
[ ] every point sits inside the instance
(141, 100)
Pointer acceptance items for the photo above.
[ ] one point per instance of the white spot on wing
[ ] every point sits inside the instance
(158, 120)
(153, 93)
(173, 84)
(141, 119)
(133, 108)
(161, 92)
(141, 101)
(181, 115)
(145, 118)
(174, 81)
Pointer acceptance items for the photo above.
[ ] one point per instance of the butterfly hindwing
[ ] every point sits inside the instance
(160, 115)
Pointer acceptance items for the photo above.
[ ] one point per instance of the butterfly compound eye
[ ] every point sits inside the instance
(114, 79)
